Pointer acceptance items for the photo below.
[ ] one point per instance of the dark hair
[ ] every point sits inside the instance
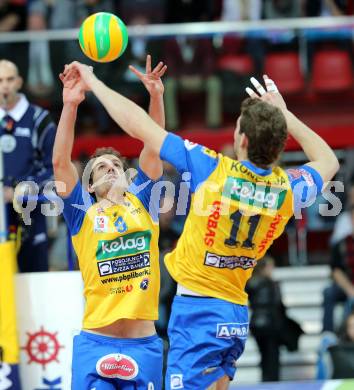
(107, 150)
(266, 130)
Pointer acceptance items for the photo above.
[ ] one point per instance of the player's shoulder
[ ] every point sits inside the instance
(38, 112)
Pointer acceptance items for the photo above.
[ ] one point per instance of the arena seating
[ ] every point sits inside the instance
(285, 69)
(332, 71)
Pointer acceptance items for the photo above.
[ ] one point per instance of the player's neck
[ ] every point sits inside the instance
(112, 200)
(8, 105)
(242, 155)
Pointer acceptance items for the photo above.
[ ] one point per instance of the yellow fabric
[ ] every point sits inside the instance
(120, 294)
(243, 213)
(8, 330)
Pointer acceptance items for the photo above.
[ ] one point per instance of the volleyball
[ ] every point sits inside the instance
(103, 37)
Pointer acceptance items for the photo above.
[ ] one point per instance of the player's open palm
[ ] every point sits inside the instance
(270, 95)
(73, 88)
(152, 78)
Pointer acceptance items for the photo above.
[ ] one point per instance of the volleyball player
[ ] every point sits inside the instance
(238, 208)
(116, 240)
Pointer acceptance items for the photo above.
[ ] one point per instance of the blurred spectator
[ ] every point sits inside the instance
(336, 38)
(46, 59)
(126, 81)
(326, 7)
(27, 137)
(269, 324)
(42, 15)
(280, 9)
(276, 9)
(238, 10)
(342, 264)
(152, 10)
(336, 354)
(185, 11)
(235, 10)
(13, 16)
(342, 354)
(191, 64)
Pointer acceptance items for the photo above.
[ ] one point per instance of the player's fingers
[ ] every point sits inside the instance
(251, 93)
(136, 71)
(258, 86)
(162, 71)
(270, 84)
(158, 67)
(148, 64)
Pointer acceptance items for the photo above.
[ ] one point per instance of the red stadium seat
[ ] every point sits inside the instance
(332, 71)
(284, 69)
(238, 63)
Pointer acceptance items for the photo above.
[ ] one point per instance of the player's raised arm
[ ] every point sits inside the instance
(128, 115)
(321, 156)
(64, 170)
(149, 160)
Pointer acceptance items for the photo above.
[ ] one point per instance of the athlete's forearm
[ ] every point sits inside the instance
(129, 116)
(64, 138)
(315, 148)
(157, 109)
(343, 281)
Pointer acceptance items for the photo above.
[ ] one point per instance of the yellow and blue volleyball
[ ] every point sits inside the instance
(103, 37)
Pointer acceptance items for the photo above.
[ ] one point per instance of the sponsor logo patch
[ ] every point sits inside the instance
(230, 262)
(121, 289)
(120, 225)
(129, 244)
(254, 194)
(117, 365)
(297, 173)
(144, 284)
(232, 329)
(100, 224)
(189, 145)
(124, 264)
(22, 132)
(176, 381)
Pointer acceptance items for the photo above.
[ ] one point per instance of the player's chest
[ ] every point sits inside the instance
(118, 220)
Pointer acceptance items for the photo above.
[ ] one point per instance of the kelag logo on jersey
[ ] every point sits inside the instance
(129, 244)
(254, 194)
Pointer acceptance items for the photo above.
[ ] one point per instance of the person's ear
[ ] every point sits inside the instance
(244, 141)
(19, 83)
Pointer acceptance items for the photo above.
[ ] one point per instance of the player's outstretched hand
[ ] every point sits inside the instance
(271, 95)
(84, 72)
(152, 78)
(73, 88)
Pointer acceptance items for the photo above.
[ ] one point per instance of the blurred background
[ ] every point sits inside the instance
(212, 48)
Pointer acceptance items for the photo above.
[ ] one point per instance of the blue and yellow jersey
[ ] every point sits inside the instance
(236, 212)
(117, 250)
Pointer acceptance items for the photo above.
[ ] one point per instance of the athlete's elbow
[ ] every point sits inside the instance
(334, 164)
